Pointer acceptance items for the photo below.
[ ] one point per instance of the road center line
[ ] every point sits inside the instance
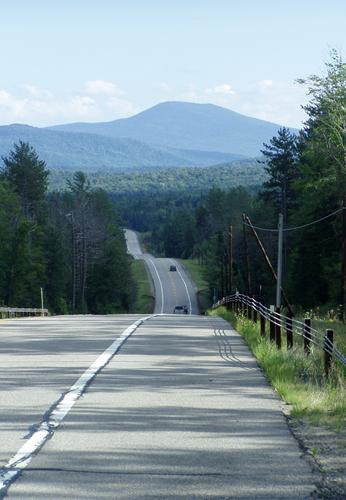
(60, 409)
(160, 282)
(187, 291)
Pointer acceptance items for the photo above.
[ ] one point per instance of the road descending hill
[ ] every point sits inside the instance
(118, 406)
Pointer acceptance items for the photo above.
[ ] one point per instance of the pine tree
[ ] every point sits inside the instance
(28, 177)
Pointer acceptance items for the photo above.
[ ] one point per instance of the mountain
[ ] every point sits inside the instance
(70, 150)
(182, 125)
(170, 134)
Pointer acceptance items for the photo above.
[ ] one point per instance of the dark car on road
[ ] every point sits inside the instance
(180, 310)
(173, 268)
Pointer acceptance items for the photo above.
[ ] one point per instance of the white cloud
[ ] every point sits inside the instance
(36, 91)
(275, 101)
(4, 97)
(224, 89)
(98, 101)
(164, 86)
(102, 87)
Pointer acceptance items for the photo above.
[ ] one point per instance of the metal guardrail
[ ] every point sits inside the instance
(13, 312)
(251, 307)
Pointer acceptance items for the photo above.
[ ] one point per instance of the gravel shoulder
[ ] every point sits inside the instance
(326, 452)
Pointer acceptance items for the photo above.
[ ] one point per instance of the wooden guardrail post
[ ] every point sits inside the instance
(307, 336)
(328, 339)
(249, 311)
(277, 328)
(271, 328)
(263, 325)
(289, 330)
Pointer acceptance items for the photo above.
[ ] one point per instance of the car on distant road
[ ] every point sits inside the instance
(181, 310)
(173, 268)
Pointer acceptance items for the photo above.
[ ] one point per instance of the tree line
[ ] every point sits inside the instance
(69, 243)
(306, 180)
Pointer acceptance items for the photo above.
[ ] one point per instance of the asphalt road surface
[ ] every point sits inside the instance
(172, 406)
(172, 288)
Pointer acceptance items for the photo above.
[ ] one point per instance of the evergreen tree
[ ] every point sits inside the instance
(27, 175)
(321, 184)
(281, 165)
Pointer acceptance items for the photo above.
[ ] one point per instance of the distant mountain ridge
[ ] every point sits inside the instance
(170, 134)
(183, 125)
(70, 150)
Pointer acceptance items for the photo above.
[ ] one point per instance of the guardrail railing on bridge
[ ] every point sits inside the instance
(14, 312)
(254, 310)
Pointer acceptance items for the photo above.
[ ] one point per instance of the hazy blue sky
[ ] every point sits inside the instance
(93, 60)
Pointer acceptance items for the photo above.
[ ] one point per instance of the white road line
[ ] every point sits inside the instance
(158, 276)
(187, 291)
(52, 421)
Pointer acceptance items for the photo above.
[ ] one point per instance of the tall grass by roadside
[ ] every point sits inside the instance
(144, 303)
(196, 273)
(298, 379)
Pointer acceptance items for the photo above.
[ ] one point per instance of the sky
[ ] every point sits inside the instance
(99, 60)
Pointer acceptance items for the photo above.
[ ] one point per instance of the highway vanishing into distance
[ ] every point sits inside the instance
(170, 288)
(124, 406)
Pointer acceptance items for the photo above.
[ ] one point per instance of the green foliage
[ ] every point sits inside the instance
(27, 175)
(160, 181)
(68, 243)
(197, 273)
(281, 165)
(320, 186)
(144, 301)
(299, 380)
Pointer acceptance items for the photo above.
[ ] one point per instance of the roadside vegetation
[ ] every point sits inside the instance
(299, 380)
(144, 300)
(196, 273)
(306, 182)
(69, 242)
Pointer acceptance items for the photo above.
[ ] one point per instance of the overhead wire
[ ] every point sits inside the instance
(273, 230)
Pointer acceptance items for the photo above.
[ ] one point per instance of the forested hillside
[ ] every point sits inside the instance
(167, 180)
(69, 243)
(68, 240)
(306, 182)
(68, 151)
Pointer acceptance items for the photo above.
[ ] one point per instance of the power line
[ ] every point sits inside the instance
(297, 227)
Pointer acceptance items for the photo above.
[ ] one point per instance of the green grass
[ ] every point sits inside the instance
(338, 328)
(144, 303)
(196, 273)
(299, 380)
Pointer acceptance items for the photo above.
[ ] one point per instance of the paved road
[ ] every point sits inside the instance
(171, 288)
(180, 411)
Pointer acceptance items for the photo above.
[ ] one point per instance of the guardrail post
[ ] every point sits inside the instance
(327, 347)
(289, 330)
(278, 328)
(307, 336)
(271, 328)
(263, 325)
(249, 311)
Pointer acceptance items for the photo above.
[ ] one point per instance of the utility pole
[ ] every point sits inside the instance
(279, 268)
(230, 256)
(247, 260)
(344, 260)
(266, 258)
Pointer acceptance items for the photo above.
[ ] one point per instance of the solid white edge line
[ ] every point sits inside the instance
(158, 276)
(46, 429)
(187, 291)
